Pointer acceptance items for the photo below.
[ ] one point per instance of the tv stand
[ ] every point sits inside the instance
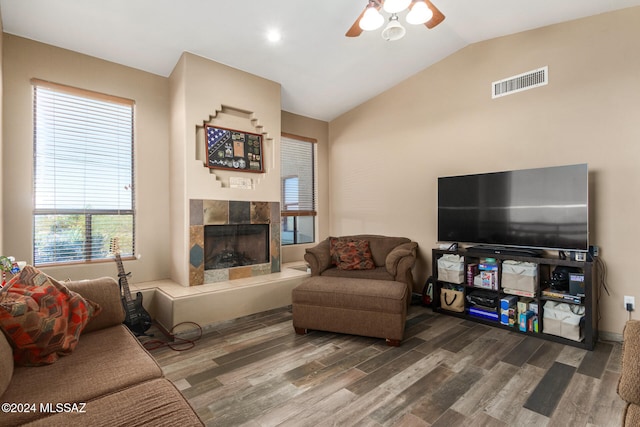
(505, 250)
(534, 292)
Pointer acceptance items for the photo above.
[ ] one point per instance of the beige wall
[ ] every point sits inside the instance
(385, 155)
(206, 91)
(319, 130)
(166, 110)
(378, 173)
(25, 59)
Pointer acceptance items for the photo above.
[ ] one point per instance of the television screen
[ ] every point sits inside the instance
(544, 208)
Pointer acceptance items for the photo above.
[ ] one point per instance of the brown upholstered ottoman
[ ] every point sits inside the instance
(373, 308)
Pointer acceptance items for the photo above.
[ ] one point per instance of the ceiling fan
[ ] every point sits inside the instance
(420, 12)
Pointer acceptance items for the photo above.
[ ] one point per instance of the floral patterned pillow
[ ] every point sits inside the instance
(351, 254)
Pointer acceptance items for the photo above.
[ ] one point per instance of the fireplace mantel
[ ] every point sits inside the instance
(227, 212)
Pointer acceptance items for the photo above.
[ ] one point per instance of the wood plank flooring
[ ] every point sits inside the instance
(255, 371)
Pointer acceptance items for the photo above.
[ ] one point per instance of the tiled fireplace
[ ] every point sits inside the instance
(235, 245)
(232, 239)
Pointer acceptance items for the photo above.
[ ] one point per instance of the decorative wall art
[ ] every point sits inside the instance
(233, 150)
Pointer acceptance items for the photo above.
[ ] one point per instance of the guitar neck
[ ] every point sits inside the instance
(123, 279)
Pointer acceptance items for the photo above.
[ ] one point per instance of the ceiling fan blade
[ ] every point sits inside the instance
(437, 18)
(355, 29)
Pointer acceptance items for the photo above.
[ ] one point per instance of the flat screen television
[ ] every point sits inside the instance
(543, 208)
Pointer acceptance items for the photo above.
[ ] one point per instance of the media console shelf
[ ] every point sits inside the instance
(562, 320)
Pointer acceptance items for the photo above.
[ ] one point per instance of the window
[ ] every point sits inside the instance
(83, 167)
(298, 184)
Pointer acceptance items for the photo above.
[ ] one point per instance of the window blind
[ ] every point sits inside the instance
(298, 164)
(83, 174)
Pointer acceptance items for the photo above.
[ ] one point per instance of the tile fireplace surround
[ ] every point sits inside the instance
(225, 212)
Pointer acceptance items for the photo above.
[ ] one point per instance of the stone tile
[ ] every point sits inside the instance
(196, 212)
(260, 213)
(213, 276)
(196, 235)
(275, 212)
(196, 276)
(239, 212)
(260, 269)
(216, 212)
(240, 272)
(196, 256)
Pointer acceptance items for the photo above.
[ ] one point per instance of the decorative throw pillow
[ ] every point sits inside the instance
(351, 254)
(41, 318)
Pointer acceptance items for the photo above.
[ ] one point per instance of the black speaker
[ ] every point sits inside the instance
(576, 284)
(560, 278)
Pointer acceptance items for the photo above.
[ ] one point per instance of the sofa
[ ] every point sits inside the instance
(629, 382)
(109, 379)
(359, 284)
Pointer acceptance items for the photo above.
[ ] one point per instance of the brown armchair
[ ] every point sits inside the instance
(629, 383)
(393, 257)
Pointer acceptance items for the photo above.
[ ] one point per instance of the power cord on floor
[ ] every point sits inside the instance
(178, 344)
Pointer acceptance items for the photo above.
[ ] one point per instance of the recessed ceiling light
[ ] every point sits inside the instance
(274, 36)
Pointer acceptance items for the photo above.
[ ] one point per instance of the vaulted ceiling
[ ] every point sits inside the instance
(323, 73)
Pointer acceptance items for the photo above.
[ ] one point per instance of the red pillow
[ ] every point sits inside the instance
(351, 254)
(41, 318)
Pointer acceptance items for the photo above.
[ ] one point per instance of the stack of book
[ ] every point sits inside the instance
(488, 268)
(518, 292)
(481, 312)
(484, 305)
(550, 293)
(472, 272)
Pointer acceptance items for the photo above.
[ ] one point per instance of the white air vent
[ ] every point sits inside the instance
(524, 81)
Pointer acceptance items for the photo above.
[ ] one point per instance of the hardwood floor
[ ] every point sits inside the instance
(255, 371)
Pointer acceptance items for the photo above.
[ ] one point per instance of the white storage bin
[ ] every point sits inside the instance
(520, 276)
(563, 320)
(451, 268)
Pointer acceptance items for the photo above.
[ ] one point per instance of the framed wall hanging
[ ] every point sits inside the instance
(234, 150)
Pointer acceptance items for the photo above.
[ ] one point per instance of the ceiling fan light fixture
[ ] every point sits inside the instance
(371, 20)
(394, 30)
(419, 13)
(395, 6)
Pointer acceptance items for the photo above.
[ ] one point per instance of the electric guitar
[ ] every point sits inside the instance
(137, 319)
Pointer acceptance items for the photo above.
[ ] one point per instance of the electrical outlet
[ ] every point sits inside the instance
(629, 301)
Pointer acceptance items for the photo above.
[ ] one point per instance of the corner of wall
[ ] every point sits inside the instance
(177, 179)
